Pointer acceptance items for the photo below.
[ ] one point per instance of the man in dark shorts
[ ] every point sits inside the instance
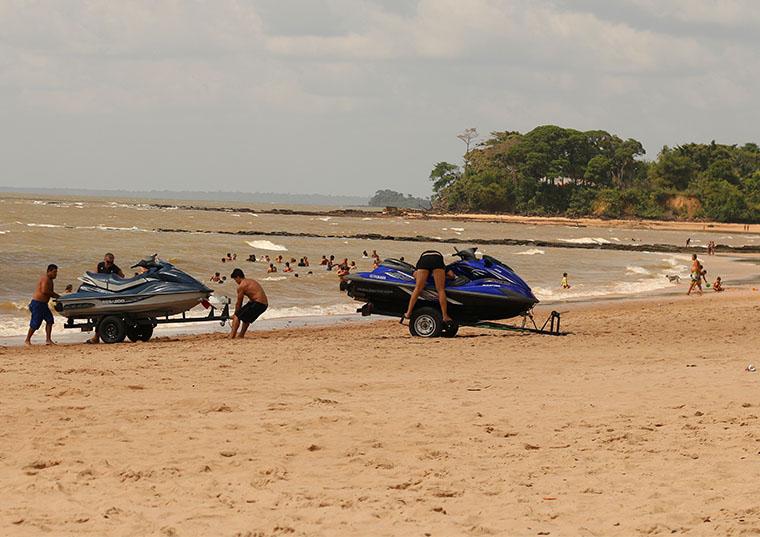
(431, 261)
(107, 266)
(256, 305)
(39, 305)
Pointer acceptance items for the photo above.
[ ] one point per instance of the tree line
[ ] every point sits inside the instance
(555, 171)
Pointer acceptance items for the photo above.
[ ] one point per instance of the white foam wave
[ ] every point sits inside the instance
(579, 291)
(366, 219)
(44, 225)
(274, 278)
(309, 311)
(586, 240)
(634, 269)
(266, 245)
(457, 229)
(4, 232)
(532, 251)
(325, 218)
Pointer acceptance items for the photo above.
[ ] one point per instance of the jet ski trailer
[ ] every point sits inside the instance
(121, 308)
(484, 290)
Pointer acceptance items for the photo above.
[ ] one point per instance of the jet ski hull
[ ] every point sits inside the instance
(88, 305)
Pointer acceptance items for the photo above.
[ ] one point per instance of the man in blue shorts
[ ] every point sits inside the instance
(39, 305)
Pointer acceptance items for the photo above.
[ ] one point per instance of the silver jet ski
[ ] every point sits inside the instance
(132, 304)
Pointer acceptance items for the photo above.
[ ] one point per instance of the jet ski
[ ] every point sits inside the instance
(484, 289)
(130, 305)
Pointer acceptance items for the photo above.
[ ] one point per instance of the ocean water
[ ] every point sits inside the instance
(75, 233)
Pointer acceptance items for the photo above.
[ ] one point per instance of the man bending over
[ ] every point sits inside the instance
(256, 305)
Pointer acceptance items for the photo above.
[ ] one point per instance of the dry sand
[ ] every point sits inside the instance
(643, 421)
(670, 225)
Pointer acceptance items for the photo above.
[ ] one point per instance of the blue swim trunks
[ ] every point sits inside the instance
(40, 312)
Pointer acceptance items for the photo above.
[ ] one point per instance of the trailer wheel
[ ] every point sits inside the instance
(139, 332)
(450, 329)
(112, 329)
(426, 322)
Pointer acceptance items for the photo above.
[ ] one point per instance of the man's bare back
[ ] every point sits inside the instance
(253, 290)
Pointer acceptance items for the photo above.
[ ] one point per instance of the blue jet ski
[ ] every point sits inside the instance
(484, 289)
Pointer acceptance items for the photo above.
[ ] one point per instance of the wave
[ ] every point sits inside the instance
(309, 311)
(266, 245)
(637, 270)
(325, 218)
(9, 306)
(457, 229)
(532, 251)
(44, 225)
(586, 240)
(3, 232)
(274, 278)
(580, 291)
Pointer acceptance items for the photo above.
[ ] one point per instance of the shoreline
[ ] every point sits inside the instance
(247, 207)
(271, 327)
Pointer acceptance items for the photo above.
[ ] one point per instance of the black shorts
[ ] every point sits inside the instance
(431, 260)
(251, 311)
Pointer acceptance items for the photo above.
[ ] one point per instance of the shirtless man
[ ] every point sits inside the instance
(696, 275)
(256, 305)
(39, 305)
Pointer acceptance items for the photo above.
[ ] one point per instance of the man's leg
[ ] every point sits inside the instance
(235, 324)
(48, 333)
(29, 334)
(243, 329)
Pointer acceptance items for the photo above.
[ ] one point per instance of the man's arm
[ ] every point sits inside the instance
(240, 295)
(49, 289)
(119, 272)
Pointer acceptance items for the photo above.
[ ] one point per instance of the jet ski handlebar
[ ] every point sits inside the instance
(468, 254)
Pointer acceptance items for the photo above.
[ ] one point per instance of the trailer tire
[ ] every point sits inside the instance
(450, 329)
(139, 332)
(112, 329)
(426, 322)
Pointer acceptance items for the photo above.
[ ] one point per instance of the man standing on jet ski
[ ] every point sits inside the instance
(431, 261)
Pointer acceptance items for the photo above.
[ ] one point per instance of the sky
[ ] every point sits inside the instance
(351, 96)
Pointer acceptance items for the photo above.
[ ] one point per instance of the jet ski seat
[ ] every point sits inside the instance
(397, 264)
(110, 282)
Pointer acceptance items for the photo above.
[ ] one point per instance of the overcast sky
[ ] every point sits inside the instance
(349, 96)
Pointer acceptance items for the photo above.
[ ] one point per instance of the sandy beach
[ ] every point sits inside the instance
(642, 421)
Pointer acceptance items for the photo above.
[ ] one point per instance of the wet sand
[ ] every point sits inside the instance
(643, 421)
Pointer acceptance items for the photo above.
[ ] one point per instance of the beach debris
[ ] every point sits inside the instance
(750, 368)
(227, 453)
(313, 447)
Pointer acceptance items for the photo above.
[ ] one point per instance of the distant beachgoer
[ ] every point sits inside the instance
(301, 262)
(718, 285)
(69, 289)
(216, 278)
(234, 256)
(256, 305)
(271, 268)
(324, 260)
(401, 258)
(229, 256)
(352, 266)
(375, 254)
(375, 263)
(39, 305)
(696, 275)
(252, 258)
(293, 260)
(431, 261)
(305, 261)
(107, 266)
(688, 242)
(310, 272)
(365, 255)
(564, 283)
(224, 260)
(266, 259)
(287, 268)
(295, 275)
(331, 262)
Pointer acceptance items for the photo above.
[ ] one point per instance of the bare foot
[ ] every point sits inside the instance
(50, 342)
(27, 343)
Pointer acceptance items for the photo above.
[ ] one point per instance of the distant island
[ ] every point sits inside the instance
(556, 171)
(391, 198)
